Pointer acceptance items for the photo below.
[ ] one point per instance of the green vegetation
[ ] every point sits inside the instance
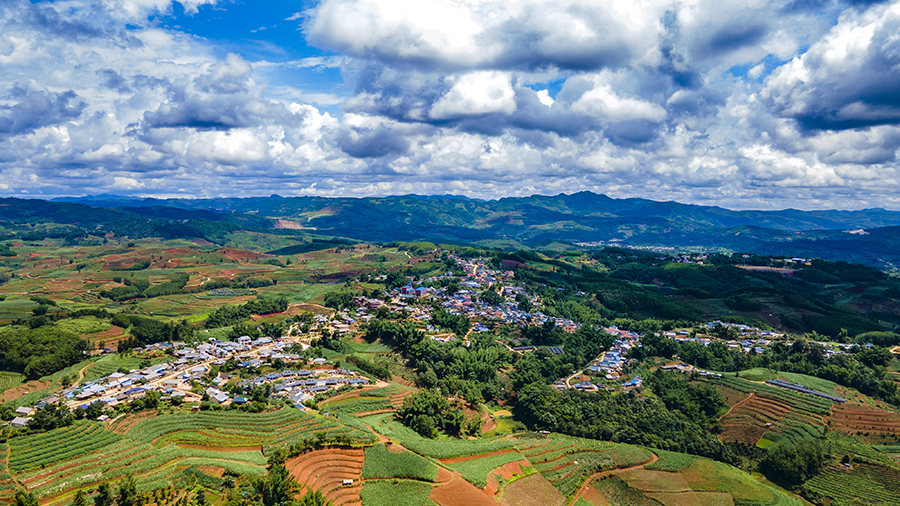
(381, 462)
(28, 452)
(39, 352)
(476, 470)
(671, 461)
(456, 448)
(395, 493)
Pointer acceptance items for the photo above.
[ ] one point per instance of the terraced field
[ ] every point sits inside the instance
(852, 418)
(567, 462)
(750, 419)
(325, 470)
(158, 448)
(41, 450)
(772, 413)
(237, 429)
(862, 484)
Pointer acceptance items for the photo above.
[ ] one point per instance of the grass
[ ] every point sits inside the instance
(84, 325)
(671, 461)
(396, 493)
(764, 443)
(387, 425)
(476, 470)
(382, 463)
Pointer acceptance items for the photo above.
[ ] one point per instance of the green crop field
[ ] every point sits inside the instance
(10, 380)
(671, 461)
(456, 448)
(381, 462)
(28, 452)
(400, 493)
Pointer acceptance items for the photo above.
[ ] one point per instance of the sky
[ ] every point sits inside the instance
(742, 104)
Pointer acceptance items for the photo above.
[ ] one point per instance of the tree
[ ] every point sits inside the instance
(314, 498)
(26, 499)
(104, 495)
(794, 464)
(79, 499)
(127, 493)
(276, 487)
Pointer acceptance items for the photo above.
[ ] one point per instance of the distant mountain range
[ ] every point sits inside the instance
(869, 236)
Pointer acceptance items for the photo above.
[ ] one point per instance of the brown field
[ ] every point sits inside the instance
(746, 421)
(731, 395)
(459, 492)
(593, 496)
(26, 388)
(324, 470)
(532, 489)
(122, 425)
(110, 337)
(504, 473)
(851, 418)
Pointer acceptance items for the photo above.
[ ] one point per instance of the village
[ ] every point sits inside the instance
(187, 378)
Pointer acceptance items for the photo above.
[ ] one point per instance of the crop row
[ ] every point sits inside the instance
(116, 451)
(364, 406)
(807, 402)
(57, 445)
(52, 437)
(152, 461)
(856, 487)
(383, 463)
(455, 448)
(261, 426)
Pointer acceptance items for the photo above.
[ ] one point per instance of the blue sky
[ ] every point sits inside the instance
(742, 104)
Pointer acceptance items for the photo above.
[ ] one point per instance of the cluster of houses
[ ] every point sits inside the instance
(299, 386)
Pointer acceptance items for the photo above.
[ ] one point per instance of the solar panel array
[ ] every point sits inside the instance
(801, 388)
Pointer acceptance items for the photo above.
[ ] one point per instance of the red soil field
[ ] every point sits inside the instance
(505, 472)
(851, 418)
(459, 492)
(122, 425)
(326, 469)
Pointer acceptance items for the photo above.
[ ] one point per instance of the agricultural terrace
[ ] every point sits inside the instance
(325, 470)
(771, 413)
(158, 448)
(566, 462)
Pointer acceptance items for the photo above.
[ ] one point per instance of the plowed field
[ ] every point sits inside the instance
(852, 418)
(325, 470)
(747, 421)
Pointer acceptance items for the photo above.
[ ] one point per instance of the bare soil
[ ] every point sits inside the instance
(25, 388)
